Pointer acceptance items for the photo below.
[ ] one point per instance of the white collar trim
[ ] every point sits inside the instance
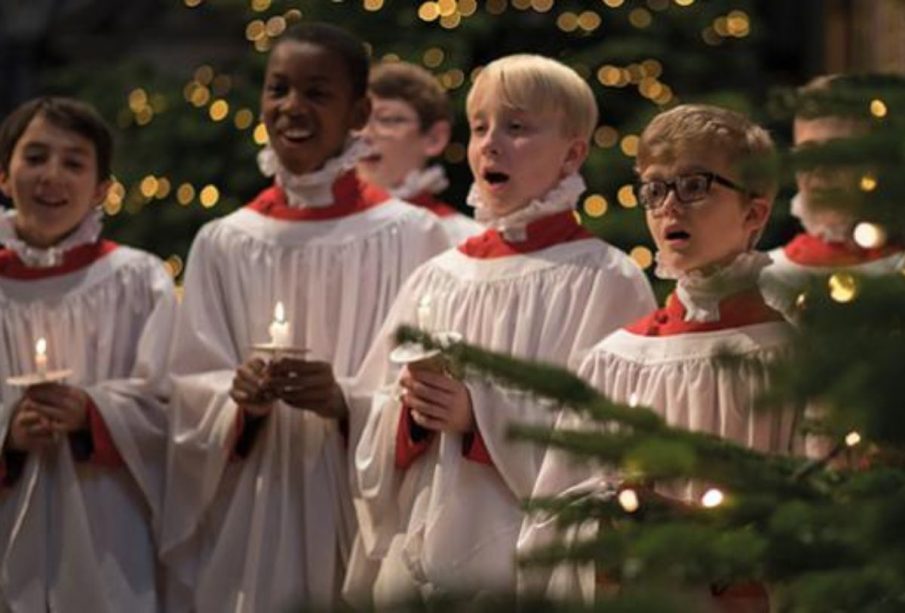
(431, 180)
(86, 233)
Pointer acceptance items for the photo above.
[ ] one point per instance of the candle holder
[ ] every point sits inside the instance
(415, 355)
(34, 378)
(277, 351)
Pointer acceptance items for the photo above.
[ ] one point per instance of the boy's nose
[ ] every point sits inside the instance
(52, 171)
(294, 104)
(490, 143)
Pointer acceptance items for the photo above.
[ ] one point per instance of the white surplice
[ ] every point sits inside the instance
(273, 529)
(670, 361)
(448, 522)
(74, 535)
(421, 187)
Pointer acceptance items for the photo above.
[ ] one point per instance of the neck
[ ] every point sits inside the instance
(35, 237)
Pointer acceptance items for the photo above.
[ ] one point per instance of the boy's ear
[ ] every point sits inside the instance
(757, 214)
(576, 154)
(100, 191)
(361, 111)
(436, 138)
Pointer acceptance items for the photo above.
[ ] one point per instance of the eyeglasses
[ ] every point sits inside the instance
(390, 124)
(689, 188)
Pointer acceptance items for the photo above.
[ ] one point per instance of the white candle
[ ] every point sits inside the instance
(279, 328)
(41, 356)
(424, 313)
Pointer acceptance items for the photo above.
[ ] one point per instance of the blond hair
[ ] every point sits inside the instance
(701, 127)
(535, 82)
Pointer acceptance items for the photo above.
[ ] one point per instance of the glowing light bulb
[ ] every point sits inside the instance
(852, 438)
(712, 498)
(628, 500)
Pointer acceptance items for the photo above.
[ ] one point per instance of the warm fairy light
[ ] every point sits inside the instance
(260, 134)
(209, 196)
(446, 8)
(589, 21)
(609, 75)
(429, 11)
(542, 6)
(495, 7)
(626, 196)
(259, 6)
(652, 68)
(852, 438)
(148, 186)
(614, 3)
(200, 96)
(521, 5)
(292, 15)
(372, 5)
(174, 265)
(277, 25)
(684, 2)
(467, 8)
(243, 119)
(711, 37)
(144, 116)
(595, 205)
(843, 287)
(640, 18)
(193, 3)
(738, 24)
(801, 301)
(642, 256)
(567, 22)
(628, 500)
(455, 78)
(455, 153)
(204, 74)
(878, 108)
(658, 5)
(255, 30)
(433, 57)
(219, 110)
(629, 145)
(138, 99)
(712, 498)
(869, 235)
(606, 137)
(868, 183)
(577, 216)
(185, 194)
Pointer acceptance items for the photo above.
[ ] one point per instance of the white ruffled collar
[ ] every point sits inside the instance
(313, 189)
(830, 232)
(701, 294)
(86, 233)
(431, 180)
(563, 197)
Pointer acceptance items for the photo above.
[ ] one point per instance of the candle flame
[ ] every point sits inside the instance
(41, 346)
(279, 313)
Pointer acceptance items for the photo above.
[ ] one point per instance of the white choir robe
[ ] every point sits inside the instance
(806, 257)
(77, 535)
(274, 529)
(443, 515)
(458, 227)
(672, 366)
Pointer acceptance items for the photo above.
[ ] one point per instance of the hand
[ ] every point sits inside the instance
(437, 401)
(29, 431)
(64, 406)
(308, 385)
(252, 389)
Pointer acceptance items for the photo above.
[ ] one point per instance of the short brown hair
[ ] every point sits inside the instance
(700, 126)
(535, 82)
(415, 86)
(66, 113)
(842, 125)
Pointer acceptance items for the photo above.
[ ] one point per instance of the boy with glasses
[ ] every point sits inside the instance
(410, 124)
(705, 220)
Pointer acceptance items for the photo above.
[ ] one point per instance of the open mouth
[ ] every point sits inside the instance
(53, 203)
(372, 158)
(677, 235)
(297, 135)
(494, 177)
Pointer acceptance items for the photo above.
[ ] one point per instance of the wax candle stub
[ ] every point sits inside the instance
(279, 328)
(41, 356)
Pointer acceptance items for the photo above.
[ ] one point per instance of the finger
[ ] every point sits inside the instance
(302, 400)
(430, 394)
(53, 413)
(435, 380)
(433, 410)
(426, 421)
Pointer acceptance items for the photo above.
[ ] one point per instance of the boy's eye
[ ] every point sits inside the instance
(478, 128)
(277, 89)
(317, 94)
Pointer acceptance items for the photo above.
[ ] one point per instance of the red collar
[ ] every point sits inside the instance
(541, 233)
(428, 201)
(809, 250)
(74, 259)
(350, 195)
(743, 309)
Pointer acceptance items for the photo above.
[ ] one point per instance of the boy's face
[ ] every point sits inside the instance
(308, 105)
(811, 132)
(52, 181)
(399, 145)
(517, 155)
(707, 232)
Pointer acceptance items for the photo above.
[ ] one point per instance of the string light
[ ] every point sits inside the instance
(467, 8)
(595, 205)
(642, 256)
(372, 5)
(626, 196)
(243, 119)
(614, 3)
(433, 57)
(259, 6)
(868, 183)
(209, 196)
(633, 399)
(606, 137)
(185, 194)
(589, 21)
(628, 500)
(429, 11)
(260, 134)
(712, 498)
(640, 18)
(629, 145)
(541, 6)
(843, 287)
(852, 438)
(455, 153)
(869, 235)
(878, 108)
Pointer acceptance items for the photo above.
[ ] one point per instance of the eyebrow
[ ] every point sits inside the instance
(76, 149)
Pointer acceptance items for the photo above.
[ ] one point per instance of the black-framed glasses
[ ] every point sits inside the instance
(689, 188)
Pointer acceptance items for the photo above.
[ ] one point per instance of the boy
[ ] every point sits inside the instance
(271, 528)
(410, 124)
(439, 484)
(82, 466)
(705, 222)
(827, 243)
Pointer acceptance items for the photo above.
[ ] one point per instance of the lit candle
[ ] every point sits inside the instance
(424, 313)
(279, 328)
(41, 356)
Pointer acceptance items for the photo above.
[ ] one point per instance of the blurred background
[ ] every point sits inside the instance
(179, 80)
